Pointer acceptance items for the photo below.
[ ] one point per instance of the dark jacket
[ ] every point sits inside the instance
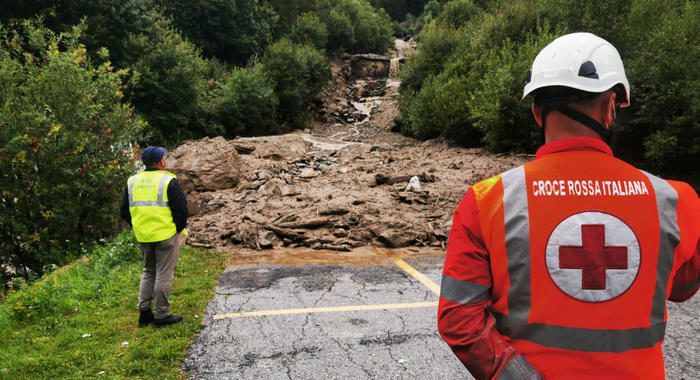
(176, 200)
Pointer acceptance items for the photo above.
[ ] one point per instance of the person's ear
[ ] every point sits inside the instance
(609, 110)
(162, 162)
(537, 113)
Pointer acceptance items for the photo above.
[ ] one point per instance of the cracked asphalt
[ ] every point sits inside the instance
(394, 343)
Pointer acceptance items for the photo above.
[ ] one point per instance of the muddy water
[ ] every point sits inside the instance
(394, 68)
(362, 256)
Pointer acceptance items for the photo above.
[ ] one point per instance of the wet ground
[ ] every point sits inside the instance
(309, 315)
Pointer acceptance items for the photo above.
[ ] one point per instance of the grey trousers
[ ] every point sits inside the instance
(159, 261)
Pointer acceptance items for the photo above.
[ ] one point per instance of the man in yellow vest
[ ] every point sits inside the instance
(156, 208)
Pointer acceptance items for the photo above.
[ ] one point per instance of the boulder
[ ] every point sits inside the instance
(205, 165)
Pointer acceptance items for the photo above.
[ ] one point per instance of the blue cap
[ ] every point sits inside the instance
(152, 154)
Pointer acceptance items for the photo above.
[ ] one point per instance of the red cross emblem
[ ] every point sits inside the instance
(593, 257)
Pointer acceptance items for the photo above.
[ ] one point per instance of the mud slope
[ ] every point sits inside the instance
(339, 185)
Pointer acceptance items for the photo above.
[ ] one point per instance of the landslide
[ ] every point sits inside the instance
(339, 185)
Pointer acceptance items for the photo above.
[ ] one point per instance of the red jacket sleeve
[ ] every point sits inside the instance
(686, 280)
(464, 321)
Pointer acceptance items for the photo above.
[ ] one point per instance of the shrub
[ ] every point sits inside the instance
(246, 105)
(355, 26)
(231, 30)
(665, 113)
(170, 81)
(341, 33)
(298, 73)
(65, 132)
(310, 30)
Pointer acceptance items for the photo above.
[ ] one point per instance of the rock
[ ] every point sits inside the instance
(272, 187)
(205, 165)
(286, 191)
(414, 185)
(340, 233)
(396, 238)
(308, 173)
(268, 239)
(243, 148)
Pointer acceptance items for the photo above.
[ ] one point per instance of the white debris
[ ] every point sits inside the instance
(414, 185)
(86, 335)
(124, 344)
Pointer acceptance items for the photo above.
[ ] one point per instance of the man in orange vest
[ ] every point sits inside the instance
(560, 269)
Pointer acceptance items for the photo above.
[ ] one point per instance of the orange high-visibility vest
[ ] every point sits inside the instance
(583, 248)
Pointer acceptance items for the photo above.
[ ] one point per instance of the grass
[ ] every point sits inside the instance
(81, 321)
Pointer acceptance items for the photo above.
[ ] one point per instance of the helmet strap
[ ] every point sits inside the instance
(586, 120)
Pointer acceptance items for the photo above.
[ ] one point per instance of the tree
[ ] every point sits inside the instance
(231, 30)
(65, 133)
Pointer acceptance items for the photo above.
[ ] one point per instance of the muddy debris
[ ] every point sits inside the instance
(338, 186)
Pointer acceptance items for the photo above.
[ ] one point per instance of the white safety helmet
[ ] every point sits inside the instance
(581, 61)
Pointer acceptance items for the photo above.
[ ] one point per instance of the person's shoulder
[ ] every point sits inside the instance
(168, 173)
(682, 188)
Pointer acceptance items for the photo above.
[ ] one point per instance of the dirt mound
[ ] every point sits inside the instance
(341, 185)
(299, 190)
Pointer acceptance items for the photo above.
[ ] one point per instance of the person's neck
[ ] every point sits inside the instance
(559, 127)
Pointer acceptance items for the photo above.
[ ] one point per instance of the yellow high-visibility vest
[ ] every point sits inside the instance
(151, 217)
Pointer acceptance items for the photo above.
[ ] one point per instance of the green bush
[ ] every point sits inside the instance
(340, 30)
(231, 30)
(65, 132)
(170, 81)
(436, 45)
(665, 113)
(479, 52)
(298, 73)
(246, 104)
(310, 30)
(356, 27)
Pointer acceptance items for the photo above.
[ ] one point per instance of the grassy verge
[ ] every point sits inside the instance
(81, 321)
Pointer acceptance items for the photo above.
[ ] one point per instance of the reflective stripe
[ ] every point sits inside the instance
(517, 228)
(518, 368)
(164, 179)
(587, 340)
(132, 180)
(666, 201)
(515, 324)
(149, 203)
(463, 292)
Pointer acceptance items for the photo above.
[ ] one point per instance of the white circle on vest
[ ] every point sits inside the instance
(593, 256)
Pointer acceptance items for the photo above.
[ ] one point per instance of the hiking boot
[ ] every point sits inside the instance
(166, 321)
(145, 318)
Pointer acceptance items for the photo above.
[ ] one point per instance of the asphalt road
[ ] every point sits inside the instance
(385, 327)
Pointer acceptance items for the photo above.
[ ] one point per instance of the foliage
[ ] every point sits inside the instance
(81, 314)
(665, 112)
(341, 32)
(298, 73)
(310, 30)
(231, 30)
(108, 22)
(170, 81)
(472, 58)
(65, 132)
(371, 28)
(400, 9)
(246, 104)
